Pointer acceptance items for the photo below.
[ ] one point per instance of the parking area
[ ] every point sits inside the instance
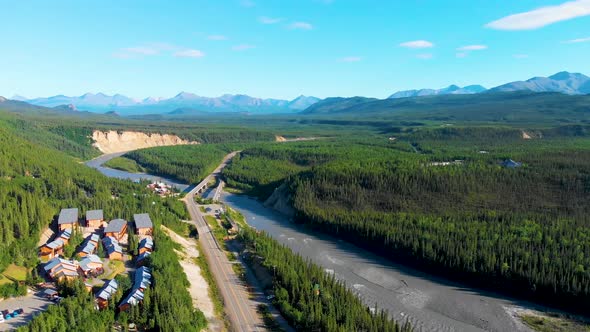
(32, 304)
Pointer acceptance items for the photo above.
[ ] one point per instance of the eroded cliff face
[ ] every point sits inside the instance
(113, 141)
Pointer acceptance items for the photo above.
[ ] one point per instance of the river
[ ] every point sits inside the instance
(97, 163)
(429, 303)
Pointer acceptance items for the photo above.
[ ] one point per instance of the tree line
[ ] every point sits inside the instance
(524, 230)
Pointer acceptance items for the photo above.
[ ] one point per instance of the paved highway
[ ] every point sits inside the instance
(240, 309)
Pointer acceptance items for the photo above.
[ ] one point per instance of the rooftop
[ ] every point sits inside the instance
(89, 248)
(111, 245)
(146, 243)
(66, 234)
(142, 220)
(55, 244)
(68, 216)
(107, 289)
(116, 226)
(94, 215)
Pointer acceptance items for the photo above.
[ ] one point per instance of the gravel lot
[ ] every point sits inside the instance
(32, 304)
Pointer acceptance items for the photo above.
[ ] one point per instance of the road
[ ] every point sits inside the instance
(240, 309)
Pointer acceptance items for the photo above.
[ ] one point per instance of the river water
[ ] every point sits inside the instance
(96, 163)
(429, 303)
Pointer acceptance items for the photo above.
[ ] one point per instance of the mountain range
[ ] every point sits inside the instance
(450, 90)
(186, 101)
(562, 82)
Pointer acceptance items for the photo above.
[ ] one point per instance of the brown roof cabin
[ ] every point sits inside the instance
(116, 228)
(68, 218)
(94, 218)
(143, 224)
(51, 249)
(114, 250)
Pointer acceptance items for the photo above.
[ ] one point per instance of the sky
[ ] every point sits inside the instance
(284, 48)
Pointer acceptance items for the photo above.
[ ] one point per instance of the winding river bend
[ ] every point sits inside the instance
(429, 303)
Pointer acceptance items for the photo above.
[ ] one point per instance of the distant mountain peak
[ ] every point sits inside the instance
(2, 99)
(451, 89)
(185, 95)
(19, 98)
(565, 75)
(562, 82)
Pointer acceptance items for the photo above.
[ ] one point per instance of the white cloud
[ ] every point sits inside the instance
(543, 16)
(217, 37)
(472, 48)
(424, 56)
(143, 50)
(300, 26)
(269, 20)
(417, 44)
(520, 56)
(461, 54)
(578, 40)
(243, 47)
(350, 59)
(189, 54)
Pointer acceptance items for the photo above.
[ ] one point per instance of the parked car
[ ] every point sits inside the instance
(1, 318)
(5, 312)
(20, 311)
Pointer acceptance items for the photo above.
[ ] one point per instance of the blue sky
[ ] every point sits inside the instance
(284, 48)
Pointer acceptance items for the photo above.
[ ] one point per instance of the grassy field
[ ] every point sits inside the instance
(125, 164)
(117, 267)
(16, 273)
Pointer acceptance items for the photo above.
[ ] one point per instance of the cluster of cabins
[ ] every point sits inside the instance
(88, 264)
(114, 232)
(60, 269)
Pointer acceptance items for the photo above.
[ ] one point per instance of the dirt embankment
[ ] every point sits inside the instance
(198, 289)
(280, 200)
(113, 141)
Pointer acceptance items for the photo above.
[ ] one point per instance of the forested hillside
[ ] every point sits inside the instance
(189, 163)
(35, 182)
(523, 229)
(506, 108)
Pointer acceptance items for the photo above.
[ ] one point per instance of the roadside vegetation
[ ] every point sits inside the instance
(214, 293)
